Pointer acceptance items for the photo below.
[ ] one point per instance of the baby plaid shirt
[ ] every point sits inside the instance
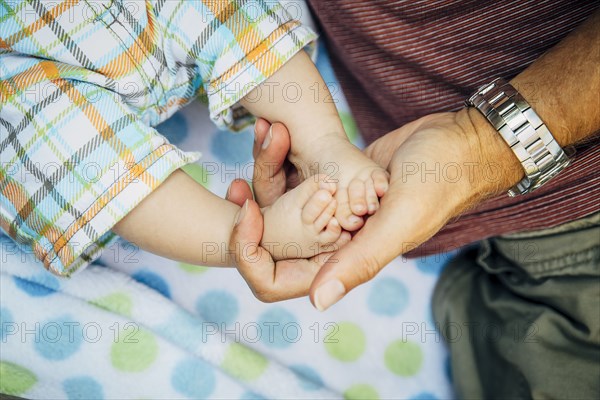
(83, 83)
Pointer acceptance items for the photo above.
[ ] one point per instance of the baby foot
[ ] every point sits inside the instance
(360, 182)
(301, 223)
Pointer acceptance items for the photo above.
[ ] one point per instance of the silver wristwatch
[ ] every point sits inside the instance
(523, 130)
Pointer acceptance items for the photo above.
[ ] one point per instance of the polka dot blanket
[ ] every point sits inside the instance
(134, 325)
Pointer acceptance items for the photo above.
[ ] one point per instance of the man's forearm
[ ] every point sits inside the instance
(565, 84)
(562, 87)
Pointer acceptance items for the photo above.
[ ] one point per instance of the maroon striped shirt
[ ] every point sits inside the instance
(400, 60)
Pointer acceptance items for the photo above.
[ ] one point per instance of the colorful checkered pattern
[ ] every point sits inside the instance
(83, 83)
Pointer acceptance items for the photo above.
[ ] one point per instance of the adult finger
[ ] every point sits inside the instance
(261, 129)
(238, 192)
(269, 179)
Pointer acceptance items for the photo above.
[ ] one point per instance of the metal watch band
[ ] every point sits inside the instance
(523, 130)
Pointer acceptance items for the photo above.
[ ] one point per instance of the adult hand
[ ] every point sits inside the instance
(269, 281)
(439, 166)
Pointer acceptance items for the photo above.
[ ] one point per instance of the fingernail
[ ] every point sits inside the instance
(328, 294)
(228, 191)
(242, 213)
(268, 138)
(354, 219)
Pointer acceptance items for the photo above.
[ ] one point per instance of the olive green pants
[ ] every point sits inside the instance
(521, 314)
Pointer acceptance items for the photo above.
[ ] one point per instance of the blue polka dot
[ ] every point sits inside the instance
(424, 396)
(217, 306)
(59, 338)
(388, 297)
(434, 264)
(186, 328)
(193, 378)
(38, 285)
(6, 319)
(233, 148)
(251, 396)
(83, 388)
(175, 129)
(154, 281)
(279, 328)
(309, 378)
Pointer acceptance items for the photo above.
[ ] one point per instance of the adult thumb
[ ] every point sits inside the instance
(371, 249)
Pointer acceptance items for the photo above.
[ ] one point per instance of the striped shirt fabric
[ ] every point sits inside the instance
(83, 83)
(400, 60)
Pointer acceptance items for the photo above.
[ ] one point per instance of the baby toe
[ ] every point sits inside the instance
(315, 206)
(345, 237)
(357, 197)
(304, 192)
(381, 181)
(372, 198)
(322, 220)
(343, 213)
(331, 233)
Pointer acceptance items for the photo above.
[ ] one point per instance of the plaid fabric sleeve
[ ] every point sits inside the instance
(75, 160)
(250, 41)
(77, 148)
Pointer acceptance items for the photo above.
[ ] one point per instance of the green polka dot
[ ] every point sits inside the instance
(345, 341)
(197, 173)
(244, 363)
(194, 269)
(14, 379)
(119, 303)
(403, 358)
(134, 351)
(361, 392)
(349, 125)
